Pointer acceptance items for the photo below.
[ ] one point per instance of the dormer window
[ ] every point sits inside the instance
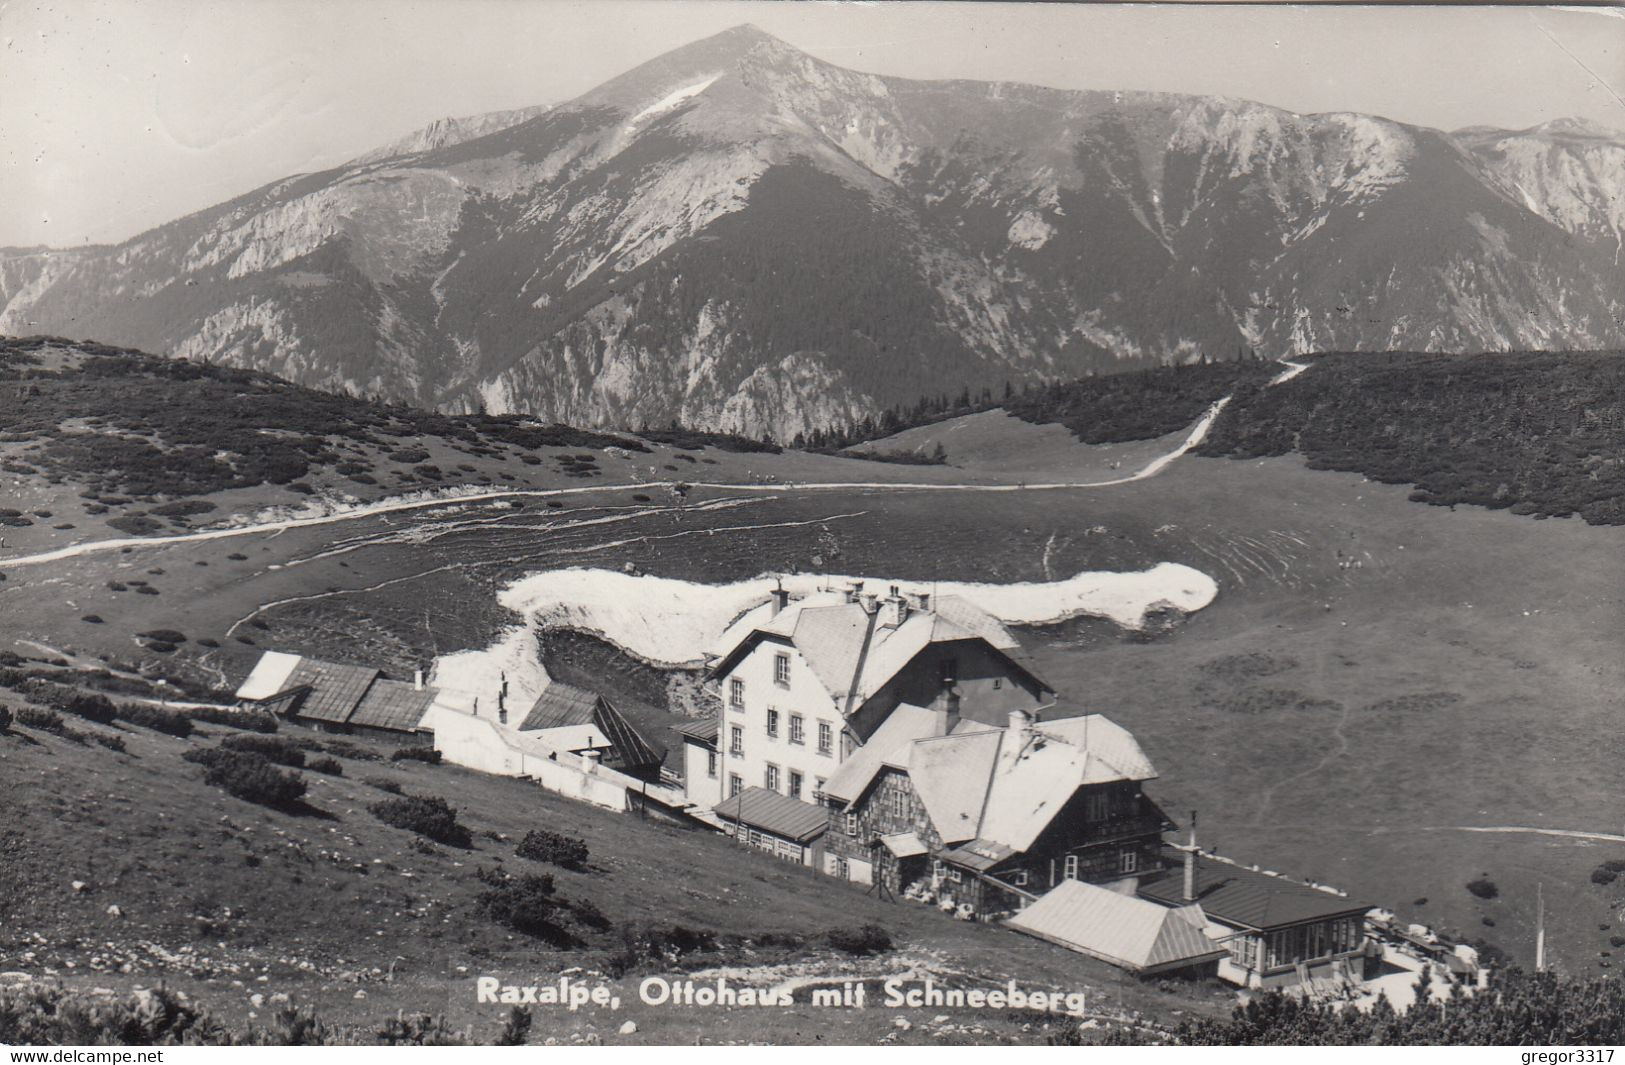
(781, 670)
(950, 671)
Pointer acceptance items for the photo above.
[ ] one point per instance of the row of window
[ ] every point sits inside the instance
(772, 777)
(798, 733)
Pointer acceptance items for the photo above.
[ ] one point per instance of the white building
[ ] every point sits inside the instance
(804, 682)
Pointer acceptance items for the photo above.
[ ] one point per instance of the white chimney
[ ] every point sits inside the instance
(853, 591)
(894, 609)
(417, 680)
(1020, 722)
(781, 599)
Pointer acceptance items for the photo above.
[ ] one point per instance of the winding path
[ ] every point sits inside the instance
(1196, 435)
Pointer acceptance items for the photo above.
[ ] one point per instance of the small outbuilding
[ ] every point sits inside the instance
(784, 827)
(1128, 932)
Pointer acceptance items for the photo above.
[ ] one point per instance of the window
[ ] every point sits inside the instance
(900, 803)
(1020, 878)
(1071, 867)
(998, 682)
(795, 784)
(736, 740)
(842, 871)
(781, 670)
(735, 785)
(826, 737)
(953, 875)
(772, 722)
(798, 729)
(771, 778)
(736, 694)
(711, 764)
(950, 670)
(851, 824)
(1128, 861)
(818, 787)
(1094, 806)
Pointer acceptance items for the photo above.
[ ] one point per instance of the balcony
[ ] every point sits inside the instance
(1130, 826)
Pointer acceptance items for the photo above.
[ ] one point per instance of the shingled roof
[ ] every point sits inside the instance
(564, 705)
(1242, 898)
(393, 705)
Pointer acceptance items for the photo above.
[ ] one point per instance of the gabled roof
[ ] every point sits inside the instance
(991, 787)
(1132, 933)
(1242, 898)
(335, 689)
(778, 814)
(851, 651)
(560, 704)
(950, 775)
(269, 676)
(392, 704)
(903, 726)
(564, 706)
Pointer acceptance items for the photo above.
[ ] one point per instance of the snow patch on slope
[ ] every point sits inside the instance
(672, 100)
(673, 622)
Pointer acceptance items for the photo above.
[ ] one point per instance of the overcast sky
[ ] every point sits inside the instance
(121, 115)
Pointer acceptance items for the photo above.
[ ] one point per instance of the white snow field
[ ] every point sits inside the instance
(673, 622)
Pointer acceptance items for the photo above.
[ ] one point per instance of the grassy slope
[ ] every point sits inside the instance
(326, 906)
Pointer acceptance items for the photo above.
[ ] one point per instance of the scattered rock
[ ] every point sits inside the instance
(114, 911)
(80, 885)
(360, 994)
(629, 1028)
(901, 1024)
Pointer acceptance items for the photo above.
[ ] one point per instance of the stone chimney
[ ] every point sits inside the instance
(853, 591)
(893, 609)
(922, 602)
(946, 706)
(869, 602)
(781, 599)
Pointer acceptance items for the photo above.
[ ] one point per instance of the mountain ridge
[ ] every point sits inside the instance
(739, 235)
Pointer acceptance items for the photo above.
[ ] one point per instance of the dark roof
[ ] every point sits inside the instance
(979, 855)
(562, 704)
(771, 812)
(335, 689)
(394, 705)
(703, 729)
(1237, 896)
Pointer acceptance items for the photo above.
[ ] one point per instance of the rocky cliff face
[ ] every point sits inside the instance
(738, 235)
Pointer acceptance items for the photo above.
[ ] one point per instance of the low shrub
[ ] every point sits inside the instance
(271, 748)
(860, 941)
(89, 705)
(427, 755)
(352, 751)
(206, 642)
(428, 816)
(184, 508)
(1603, 876)
(44, 720)
(92, 619)
(525, 904)
(1483, 888)
(164, 636)
(169, 722)
(383, 784)
(5, 719)
(328, 766)
(112, 743)
(541, 845)
(252, 720)
(252, 778)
